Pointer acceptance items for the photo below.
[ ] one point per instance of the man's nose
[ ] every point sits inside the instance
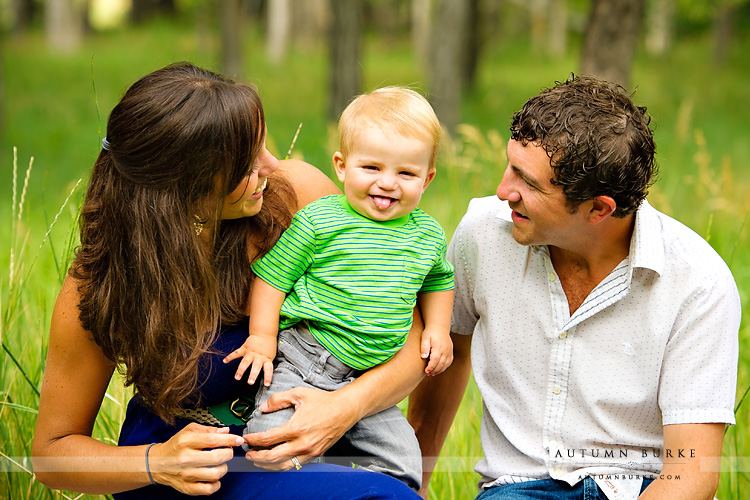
(506, 190)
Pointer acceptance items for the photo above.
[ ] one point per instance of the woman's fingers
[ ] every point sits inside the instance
(285, 462)
(195, 459)
(198, 437)
(319, 421)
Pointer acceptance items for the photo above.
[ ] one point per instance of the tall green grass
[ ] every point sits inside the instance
(700, 119)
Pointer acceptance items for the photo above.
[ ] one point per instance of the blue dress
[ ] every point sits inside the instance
(244, 481)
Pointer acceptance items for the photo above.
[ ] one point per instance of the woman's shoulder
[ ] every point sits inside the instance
(66, 320)
(308, 182)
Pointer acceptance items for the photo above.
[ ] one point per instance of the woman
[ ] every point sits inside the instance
(182, 198)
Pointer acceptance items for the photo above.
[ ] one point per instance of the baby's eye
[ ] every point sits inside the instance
(369, 167)
(406, 173)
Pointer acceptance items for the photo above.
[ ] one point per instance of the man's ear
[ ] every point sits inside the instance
(601, 208)
(339, 165)
(428, 179)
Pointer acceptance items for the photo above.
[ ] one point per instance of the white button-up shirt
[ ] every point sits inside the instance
(655, 343)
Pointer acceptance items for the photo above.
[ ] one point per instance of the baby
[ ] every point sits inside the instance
(346, 275)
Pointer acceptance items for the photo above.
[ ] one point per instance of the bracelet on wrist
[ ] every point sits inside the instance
(148, 469)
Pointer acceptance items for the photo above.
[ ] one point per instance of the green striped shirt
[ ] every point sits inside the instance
(354, 280)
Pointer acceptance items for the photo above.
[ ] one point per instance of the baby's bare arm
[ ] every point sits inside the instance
(436, 341)
(259, 349)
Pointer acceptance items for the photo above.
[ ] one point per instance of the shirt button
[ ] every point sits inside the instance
(557, 390)
(552, 277)
(562, 336)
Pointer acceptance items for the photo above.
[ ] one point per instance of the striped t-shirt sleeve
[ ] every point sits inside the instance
(440, 277)
(290, 257)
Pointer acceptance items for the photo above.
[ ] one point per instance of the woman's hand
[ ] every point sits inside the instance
(193, 460)
(320, 419)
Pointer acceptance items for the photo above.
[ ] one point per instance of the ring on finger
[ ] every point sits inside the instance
(296, 463)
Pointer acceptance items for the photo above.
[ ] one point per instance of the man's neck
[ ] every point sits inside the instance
(583, 267)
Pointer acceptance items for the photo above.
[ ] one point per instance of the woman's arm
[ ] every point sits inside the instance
(321, 418)
(65, 456)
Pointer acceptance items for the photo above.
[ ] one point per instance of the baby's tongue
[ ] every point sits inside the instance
(382, 202)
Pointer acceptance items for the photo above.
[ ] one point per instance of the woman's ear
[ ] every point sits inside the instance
(339, 165)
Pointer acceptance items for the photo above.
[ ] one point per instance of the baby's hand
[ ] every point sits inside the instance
(439, 348)
(257, 353)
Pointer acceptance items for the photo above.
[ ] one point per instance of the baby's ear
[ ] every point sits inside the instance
(339, 165)
(428, 179)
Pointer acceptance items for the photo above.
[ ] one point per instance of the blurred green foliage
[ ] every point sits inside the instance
(49, 111)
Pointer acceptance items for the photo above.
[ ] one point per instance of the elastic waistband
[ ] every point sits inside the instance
(300, 338)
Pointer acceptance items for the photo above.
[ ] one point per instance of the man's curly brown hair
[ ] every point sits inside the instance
(599, 142)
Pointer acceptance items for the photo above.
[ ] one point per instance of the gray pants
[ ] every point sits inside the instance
(384, 442)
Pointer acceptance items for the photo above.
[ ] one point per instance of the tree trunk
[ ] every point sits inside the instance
(538, 10)
(232, 13)
(2, 87)
(659, 27)
(389, 18)
(557, 25)
(143, 10)
(473, 42)
(421, 27)
(344, 45)
(277, 32)
(204, 16)
(63, 26)
(311, 19)
(446, 63)
(84, 7)
(610, 40)
(722, 33)
(24, 13)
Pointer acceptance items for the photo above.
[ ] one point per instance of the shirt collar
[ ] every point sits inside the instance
(646, 244)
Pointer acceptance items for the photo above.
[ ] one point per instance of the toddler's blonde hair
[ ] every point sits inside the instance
(393, 109)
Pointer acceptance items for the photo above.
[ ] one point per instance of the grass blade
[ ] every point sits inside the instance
(294, 140)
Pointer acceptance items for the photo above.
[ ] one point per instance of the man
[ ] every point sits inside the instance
(603, 334)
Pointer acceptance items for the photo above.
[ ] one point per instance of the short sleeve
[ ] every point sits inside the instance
(440, 277)
(465, 315)
(699, 373)
(290, 257)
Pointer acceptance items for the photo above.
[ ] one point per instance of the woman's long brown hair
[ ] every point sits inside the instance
(153, 293)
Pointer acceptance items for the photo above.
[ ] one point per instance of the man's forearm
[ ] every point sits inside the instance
(433, 404)
(697, 479)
